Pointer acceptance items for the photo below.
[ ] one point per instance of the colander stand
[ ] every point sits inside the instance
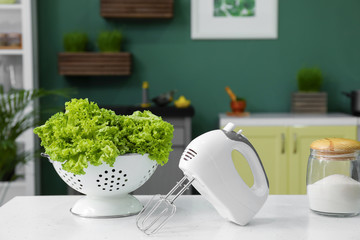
(108, 188)
(107, 207)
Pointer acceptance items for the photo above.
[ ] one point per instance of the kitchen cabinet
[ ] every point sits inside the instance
(17, 71)
(283, 144)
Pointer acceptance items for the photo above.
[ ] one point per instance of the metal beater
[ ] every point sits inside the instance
(160, 209)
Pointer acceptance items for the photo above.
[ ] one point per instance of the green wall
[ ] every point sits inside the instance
(324, 33)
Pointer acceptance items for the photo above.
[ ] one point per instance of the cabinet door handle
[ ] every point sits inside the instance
(295, 143)
(282, 143)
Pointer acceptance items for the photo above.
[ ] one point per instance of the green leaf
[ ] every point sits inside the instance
(235, 11)
(217, 3)
(230, 2)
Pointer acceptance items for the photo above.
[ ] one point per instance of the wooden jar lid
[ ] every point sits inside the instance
(335, 145)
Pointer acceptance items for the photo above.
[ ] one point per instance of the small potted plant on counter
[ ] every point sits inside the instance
(309, 98)
(237, 104)
(109, 62)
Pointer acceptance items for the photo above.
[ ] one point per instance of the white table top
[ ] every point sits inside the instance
(282, 217)
(290, 119)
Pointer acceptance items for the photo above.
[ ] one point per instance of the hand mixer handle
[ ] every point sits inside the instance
(261, 183)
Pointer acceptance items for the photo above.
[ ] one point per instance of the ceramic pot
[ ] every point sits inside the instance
(238, 106)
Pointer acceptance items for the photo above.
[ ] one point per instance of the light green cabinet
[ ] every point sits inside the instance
(284, 152)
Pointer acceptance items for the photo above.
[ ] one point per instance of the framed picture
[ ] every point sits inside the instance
(234, 19)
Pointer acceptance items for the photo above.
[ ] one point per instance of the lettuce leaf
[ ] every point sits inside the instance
(87, 134)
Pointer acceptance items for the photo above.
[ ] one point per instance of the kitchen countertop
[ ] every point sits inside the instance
(290, 119)
(282, 217)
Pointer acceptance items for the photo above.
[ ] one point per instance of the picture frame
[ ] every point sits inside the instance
(241, 19)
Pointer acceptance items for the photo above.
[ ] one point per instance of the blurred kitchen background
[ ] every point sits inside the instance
(322, 33)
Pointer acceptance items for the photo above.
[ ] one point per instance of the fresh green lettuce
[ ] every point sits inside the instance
(87, 134)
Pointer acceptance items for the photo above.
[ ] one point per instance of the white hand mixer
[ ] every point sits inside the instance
(207, 164)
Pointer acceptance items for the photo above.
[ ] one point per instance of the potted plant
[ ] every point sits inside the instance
(309, 79)
(75, 42)
(237, 104)
(309, 98)
(109, 62)
(15, 119)
(109, 41)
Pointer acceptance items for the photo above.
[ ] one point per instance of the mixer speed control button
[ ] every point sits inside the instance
(229, 127)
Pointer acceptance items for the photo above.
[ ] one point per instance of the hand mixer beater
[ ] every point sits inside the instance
(207, 164)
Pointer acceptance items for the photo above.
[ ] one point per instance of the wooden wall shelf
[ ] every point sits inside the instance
(94, 64)
(10, 47)
(136, 8)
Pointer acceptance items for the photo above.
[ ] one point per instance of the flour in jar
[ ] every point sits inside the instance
(335, 194)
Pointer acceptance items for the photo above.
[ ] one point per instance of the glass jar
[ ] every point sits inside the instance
(333, 186)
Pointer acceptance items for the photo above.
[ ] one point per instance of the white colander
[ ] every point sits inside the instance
(107, 188)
